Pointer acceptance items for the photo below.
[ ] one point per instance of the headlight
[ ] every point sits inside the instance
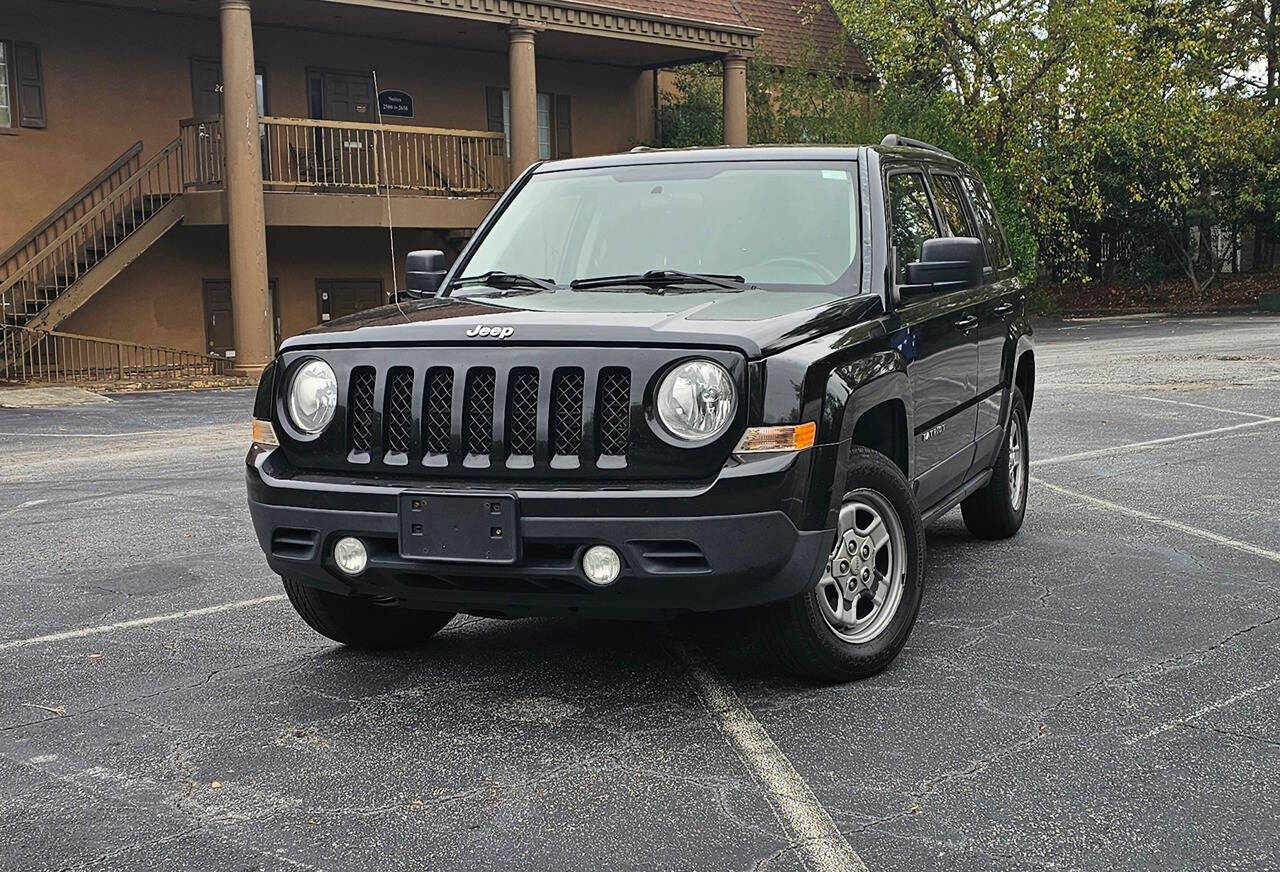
(695, 401)
(313, 395)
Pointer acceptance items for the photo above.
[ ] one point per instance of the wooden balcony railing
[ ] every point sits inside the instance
(50, 357)
(300, 154)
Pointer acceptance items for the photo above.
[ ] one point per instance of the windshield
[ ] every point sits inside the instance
(774, 224)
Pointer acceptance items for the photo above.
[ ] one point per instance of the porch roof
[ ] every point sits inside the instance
(626, 32)
(634, 33)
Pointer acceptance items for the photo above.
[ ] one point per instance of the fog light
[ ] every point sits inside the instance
(601, 565)
(350, 555)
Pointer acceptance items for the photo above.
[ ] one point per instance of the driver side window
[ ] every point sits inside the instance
(911, 217)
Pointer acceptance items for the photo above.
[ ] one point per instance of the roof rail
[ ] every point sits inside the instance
(896, 139)
(640, 148)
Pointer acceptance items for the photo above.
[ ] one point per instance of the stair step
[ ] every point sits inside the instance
(33, 296)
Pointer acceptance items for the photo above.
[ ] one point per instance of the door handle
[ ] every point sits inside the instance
(966, 322)
(1003, 309)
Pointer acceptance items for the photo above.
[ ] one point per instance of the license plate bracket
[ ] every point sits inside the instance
(460, 527)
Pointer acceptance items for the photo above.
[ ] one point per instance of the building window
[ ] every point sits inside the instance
(21, 85)
(6, 112)
(544, 124)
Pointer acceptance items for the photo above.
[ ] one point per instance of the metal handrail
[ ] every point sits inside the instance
(72, 207)
(52, 357)
(61, 263)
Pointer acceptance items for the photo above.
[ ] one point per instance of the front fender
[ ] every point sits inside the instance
(852, 390)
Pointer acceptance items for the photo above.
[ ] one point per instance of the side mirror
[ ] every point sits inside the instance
(947, 263)
(424, 272)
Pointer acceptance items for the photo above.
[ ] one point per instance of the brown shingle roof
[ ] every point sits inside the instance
(790, 26)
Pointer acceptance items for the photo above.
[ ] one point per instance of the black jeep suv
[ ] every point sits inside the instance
(660, 382)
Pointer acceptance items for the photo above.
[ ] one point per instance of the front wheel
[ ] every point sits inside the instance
(362, 623)
(857, 618)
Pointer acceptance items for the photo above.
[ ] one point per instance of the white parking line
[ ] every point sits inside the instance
(139, 622)
(821, 845)
(1201, 712)
(1136, 446)
(1246, 547)
(1200, 406)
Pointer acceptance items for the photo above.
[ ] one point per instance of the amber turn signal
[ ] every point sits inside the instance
(796, 437)
(264, 433)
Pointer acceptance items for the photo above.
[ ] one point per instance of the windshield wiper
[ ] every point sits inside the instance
(498, 279)
(662, 278)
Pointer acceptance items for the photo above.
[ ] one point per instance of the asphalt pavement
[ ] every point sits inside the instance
(1100, 692)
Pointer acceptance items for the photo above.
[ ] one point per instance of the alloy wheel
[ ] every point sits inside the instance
(1017, 464)
(862, 585)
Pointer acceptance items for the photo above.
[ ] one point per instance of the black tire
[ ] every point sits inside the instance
(992, 513)
(800, 634)
(362, 623)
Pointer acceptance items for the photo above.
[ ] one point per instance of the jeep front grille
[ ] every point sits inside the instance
(504, 414)
(399, 415)
(363, 379)
(522, 414)
(479, 412)
(614, 412)
(437, 408)
(482, 439)
(566, 412)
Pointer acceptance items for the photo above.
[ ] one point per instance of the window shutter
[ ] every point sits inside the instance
(563, 144)
(30, 82)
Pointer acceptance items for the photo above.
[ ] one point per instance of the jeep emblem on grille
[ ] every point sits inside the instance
(495, 332)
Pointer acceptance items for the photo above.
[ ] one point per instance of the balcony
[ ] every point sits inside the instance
(346, 174)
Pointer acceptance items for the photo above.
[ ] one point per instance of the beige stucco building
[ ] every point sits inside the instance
(216, 175)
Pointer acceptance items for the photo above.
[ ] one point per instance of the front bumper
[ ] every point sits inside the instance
(736, 541)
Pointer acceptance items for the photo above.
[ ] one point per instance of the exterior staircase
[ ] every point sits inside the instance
(46, 277)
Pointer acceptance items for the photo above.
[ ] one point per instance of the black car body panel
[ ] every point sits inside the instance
(925, 379)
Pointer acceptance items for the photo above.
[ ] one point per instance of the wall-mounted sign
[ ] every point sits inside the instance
(397, 104)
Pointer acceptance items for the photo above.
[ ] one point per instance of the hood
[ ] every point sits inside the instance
(755, 322)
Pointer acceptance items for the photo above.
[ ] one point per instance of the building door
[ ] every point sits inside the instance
(206, 164)
(219, 329)
(339, 298)
(206, 87)
(347, 97)
(343, 156)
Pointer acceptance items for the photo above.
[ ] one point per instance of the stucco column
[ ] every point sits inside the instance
(524, 98)
(735, 100)
(246, 224)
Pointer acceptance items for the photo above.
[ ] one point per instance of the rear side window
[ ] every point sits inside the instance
(997, 247)
(912, 220)
(946, 191)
